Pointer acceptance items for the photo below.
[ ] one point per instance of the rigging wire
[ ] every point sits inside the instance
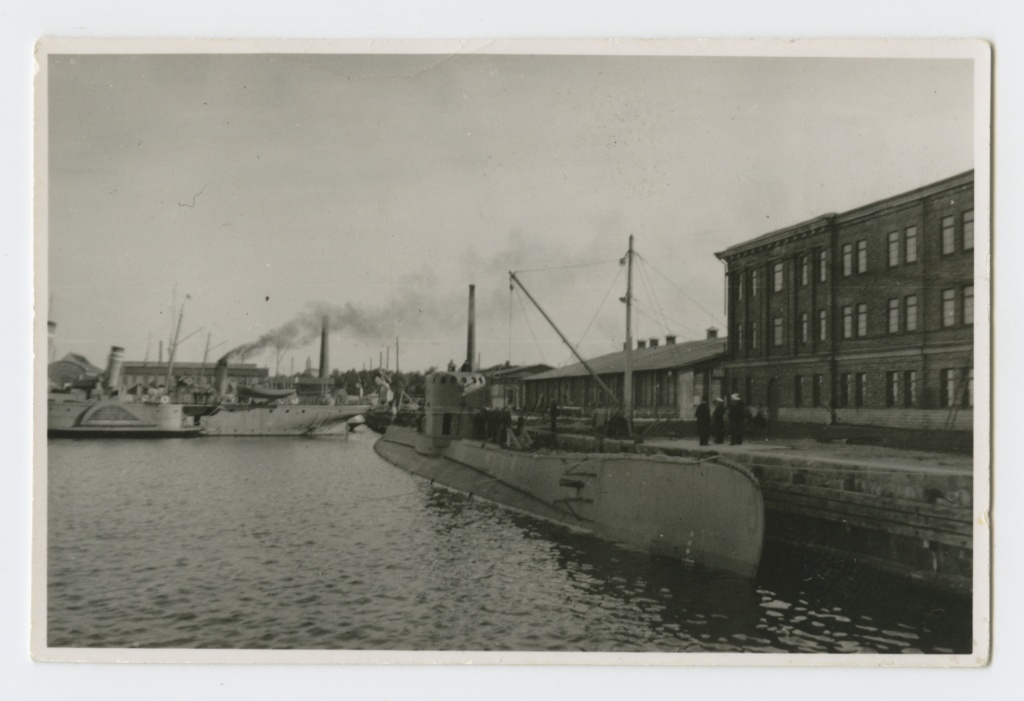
(599, 308)
(714, 317)
(565, 267)
(532, 334)
(655, 304)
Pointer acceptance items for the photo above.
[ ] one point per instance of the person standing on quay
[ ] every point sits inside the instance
(718, 421)
(737, 418)
(703, 415)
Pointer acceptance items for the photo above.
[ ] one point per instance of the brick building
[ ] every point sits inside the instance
(864, 317)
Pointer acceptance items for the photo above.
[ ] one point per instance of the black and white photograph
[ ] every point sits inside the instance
(562, 351)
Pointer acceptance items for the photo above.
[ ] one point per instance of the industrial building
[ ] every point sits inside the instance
(864, 317)
(667, 378)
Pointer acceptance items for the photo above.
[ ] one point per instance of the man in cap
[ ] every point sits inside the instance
(737, 419)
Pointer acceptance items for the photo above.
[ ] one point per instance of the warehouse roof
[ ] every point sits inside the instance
(666, 357)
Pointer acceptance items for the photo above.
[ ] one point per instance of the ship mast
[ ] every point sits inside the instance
(627, 379)
(174, 347)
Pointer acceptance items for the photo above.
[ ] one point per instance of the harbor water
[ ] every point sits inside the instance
(293, 543)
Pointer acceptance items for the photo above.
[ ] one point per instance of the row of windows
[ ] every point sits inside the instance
(902, 249)
(956, 388)
(901, 316)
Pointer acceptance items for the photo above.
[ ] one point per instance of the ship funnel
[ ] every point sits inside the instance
(220, 375)
(471, 334)
(324, 369)
(114, 362)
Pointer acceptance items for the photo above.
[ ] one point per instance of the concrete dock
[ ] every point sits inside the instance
(905, 512)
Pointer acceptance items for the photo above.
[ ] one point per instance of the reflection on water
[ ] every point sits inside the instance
(290, 543)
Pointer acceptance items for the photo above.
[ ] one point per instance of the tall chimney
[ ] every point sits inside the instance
(160, 354)
(324, 370)
(114, 367)
(471, 334)
(712, 333)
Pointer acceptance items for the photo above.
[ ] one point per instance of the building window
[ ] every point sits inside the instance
(892, 389)
(948, 238)
(822, 325)
(847, 259)
(862, 320)
(844, 390)
(777, 331)
(861, 387)
(910, 388)
(741, 339)
(947, 387)
(753, 283)
(910, 243)
(739, 287)
(968, 398)
(847, 322)
(823, 266)
(862, 256)
(948, 308)
(967, 220)
(894, 249)
(805, 270)
(777, 277)
(894, 315)
(911, 312)
(798, 391)
(969, 304)
(805, 331)
(816, 390)
(753, 335)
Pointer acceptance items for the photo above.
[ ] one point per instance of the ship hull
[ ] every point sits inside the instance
(705, 514)
(110, 418)
(281, 420)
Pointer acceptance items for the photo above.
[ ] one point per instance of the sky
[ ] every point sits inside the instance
(271, 189)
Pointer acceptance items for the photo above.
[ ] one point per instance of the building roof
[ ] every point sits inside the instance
(179, 365)
(514, 372)
(817, 223)
(81, 361)
(667, 357)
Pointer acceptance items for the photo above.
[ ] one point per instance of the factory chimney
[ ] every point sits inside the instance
(471, 337)
(324, 369)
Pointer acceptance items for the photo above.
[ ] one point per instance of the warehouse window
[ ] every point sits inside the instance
(847, 322)
(948, 308)
(739, 287)
(947, 387)
(948, 236)
(861, 388)
(777, 277)
(847, 259)
(969, 304)
(862, 320)
(911, 312)
(892, 388)
(798, 391)
(823, 266)
(894, 249)
(777, 331)
(805, 331)
(822, 325)
(753, 283)
(910, 243)
(862, 256)
(910, 388)
(894, 315)
(805, 270)
(967, 220)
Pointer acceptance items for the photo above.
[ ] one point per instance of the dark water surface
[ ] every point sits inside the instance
(298, 543)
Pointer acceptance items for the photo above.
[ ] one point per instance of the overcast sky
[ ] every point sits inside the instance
(377, 188)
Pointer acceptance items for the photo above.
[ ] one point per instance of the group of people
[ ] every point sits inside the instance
(713, 422)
